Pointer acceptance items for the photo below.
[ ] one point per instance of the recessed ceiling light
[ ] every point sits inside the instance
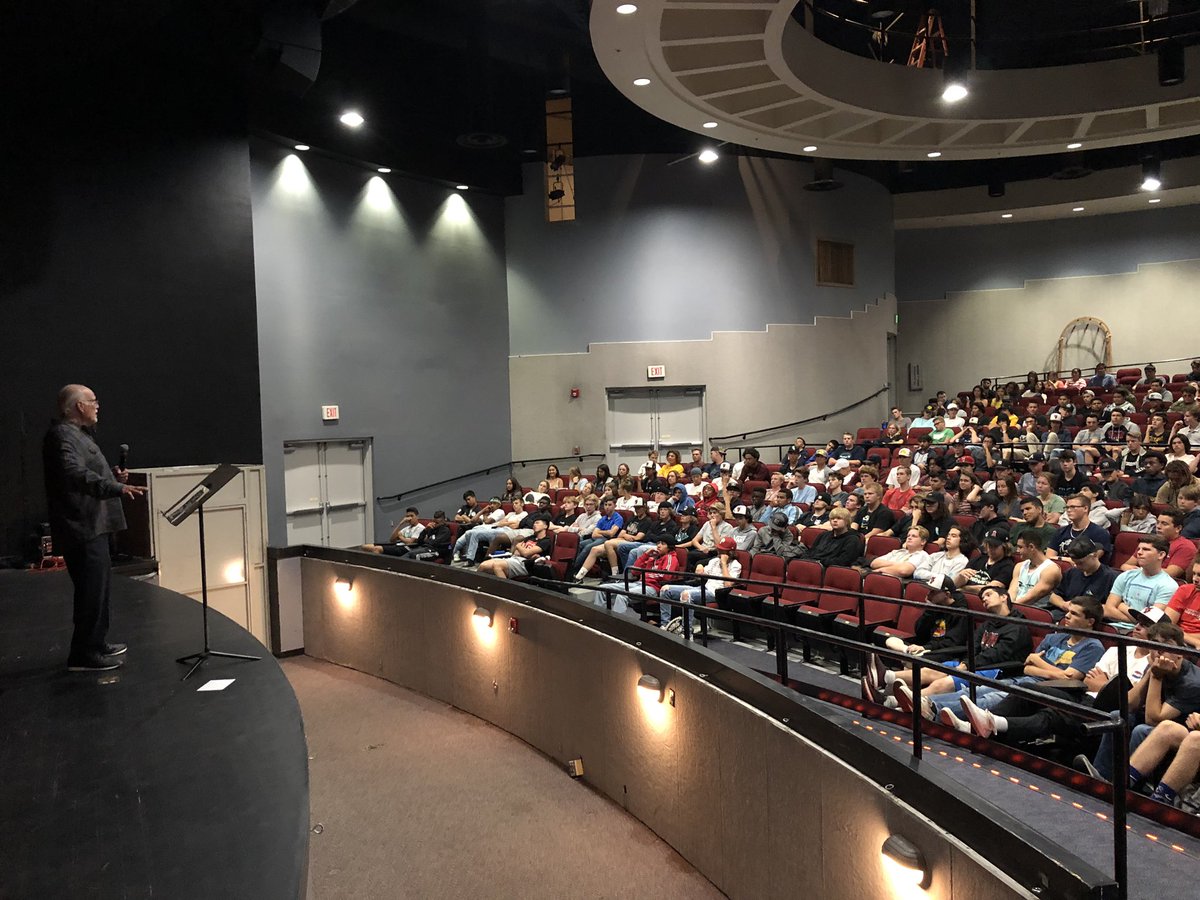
(383, 170)
(1077, 209)
(303, 147)
(626, 9)
(954, 92)
(1006, 215)
(710, 125)
(707, 156)
(934, 154)
(811, 148)
(1074, 145)
(641, 82)
(1156, 200)
(461, 187)
(351, 118)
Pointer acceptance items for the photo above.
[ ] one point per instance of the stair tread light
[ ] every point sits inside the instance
(710, 124)
(626, 9)
(1077, 209)
(1006, 215)
(908, 862)
(811, 148)
(1074, 145)
(461, 187)
(641, 82)
(1156, 200)
(351, 118)
(708, 156)
(650, 688)
(383, 170)
(934, 154)
(303, 147)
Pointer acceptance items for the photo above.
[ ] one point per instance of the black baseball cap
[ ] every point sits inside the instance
(996, 536)
(1081, 547)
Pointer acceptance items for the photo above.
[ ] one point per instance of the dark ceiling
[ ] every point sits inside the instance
(434, 77)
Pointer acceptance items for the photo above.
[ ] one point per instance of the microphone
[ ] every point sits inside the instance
(123, 462)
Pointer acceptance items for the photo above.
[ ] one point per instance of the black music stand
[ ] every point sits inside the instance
(193, 502)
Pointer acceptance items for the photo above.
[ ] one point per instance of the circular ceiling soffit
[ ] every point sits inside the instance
(748, 65)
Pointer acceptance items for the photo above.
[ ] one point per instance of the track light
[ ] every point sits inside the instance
(881, 9)
(557, 193)
(708, 157)
(351, 118)
(1151, 175)
(954, 91)
(955, 71)
(906, 860)
(559, 160)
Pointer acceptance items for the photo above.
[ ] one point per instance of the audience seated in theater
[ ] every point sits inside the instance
(1114, 437)
(1077, 525)
(1189, 427)
(834, 490)
(533, 495)
(507, 535)
(1122, 400)
(758, 504)
(1180, 448)
(777, 538)
(1186, 401)
(874, 518)
(680, 501)
(696, 482)
(950, 561)
(744, 533)
(840, 545)
(897, 417)
(1098, 512)
(1074, 380)
(1019, 720)
(654, 569)
(903, 463)
(404, 536)
(791, 461)
(1189, 505)
(1069, 477)
(964, 492)
(1112, 484)
(1053, 506)
(725, 569)
(850, 452)
(996, 641)
(716, 457)
(1143, 586)
(479, 538)
(637, 530)
(512, 490)
(1035, 466)
(924, 451)
(1133, 457)
(553, 480)
(904, 560)
(1153, 475)
(1179, 477)
(1060, 660)
(992, 564)
(662, 525)
(1086, 441)
(1035, 576)
(704, 543)
(1033, 521)
(591, 543)
(1181, 550)
(724, 482)
(781, 502)
(897, 498)
(468, 513)
(750, 468)
(673, 464)
(1008, 497)
(818, 514)
(797, 483)
(1183, 609)
(1087, 575)
(524, 553)
(1138, 516)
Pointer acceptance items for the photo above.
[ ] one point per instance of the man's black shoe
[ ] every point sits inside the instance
(92, 662)
(115, 649)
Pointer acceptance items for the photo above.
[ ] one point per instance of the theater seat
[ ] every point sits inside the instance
(1124, 547)
(881, 545)
(562, 554)
(905, 627)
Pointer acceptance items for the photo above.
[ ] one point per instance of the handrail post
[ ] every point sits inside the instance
(1120, 779)
(781, 660)
(918, 721)
(862, 633)
(971, 651)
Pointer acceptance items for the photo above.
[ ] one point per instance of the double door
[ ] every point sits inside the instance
(645, 419)
(327, 490)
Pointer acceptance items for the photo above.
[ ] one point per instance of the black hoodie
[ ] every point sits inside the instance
(1002, 641)
(938, 628)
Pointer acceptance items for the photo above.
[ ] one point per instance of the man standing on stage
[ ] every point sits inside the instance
(84, 499)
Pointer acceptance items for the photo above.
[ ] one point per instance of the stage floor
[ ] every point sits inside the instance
(132, 783)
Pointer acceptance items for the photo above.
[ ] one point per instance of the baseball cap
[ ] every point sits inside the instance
(495, 500)
(817, 453)
(639, 503)
(696, 470)
(726, 467)
(904, 451)
(951, 405)
(1055, 416)
(966, 459)
(995, 536)
(1147, 617)
(974, 420)
(1154, 395)
(779, 520)
(935, 497)
(1108, 465)
(726, 543)
(1038, 457)
(1081, 547)
(668, 539)
(740, 510)
(942, 583)
(652, 507)
(793, 449)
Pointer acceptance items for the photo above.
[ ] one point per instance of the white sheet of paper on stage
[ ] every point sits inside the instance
(217, 684)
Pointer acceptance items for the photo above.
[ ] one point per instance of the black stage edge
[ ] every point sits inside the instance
(1021, 852)
(131, 783)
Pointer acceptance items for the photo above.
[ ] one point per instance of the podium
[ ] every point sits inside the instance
(193, 503)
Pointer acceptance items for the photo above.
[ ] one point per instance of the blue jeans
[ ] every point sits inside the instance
(584, 548)
(468, 544)
(985, 697)
(680, 593)
(1103, 758)
(620, 603)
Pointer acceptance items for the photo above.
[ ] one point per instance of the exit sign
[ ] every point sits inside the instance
(656, 371)
(329, 414)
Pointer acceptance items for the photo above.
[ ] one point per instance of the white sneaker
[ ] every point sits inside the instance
(983, 723)
(950, 720)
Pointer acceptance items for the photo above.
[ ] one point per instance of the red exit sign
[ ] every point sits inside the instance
(330, 413)
(656, 371)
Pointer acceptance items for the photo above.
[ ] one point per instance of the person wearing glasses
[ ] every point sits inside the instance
(83, 494)
(1078, 525)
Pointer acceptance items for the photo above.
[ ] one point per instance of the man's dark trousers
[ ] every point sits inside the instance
(90, 567)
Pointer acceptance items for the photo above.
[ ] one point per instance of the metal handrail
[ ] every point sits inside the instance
(488, 471)
(1116, 721)
(745, 434)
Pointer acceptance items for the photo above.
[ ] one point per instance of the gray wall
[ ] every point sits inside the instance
(386, 297)
(932, 262)
(759, 810)
(663, 252)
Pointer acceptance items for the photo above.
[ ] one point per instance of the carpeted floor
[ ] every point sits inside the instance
(414, 798)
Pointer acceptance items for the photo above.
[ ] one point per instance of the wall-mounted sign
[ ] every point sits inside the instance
(329, 414)
(653, 372)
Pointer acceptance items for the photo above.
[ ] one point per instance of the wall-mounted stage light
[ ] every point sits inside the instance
(556, 193)
(482, 617)
(906, 861)
(1151, 174)
(708, 157)
(351, 118)
(650, 688)
(343, 585)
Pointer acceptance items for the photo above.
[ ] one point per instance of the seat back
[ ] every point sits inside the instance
(1124, 547)
(882, 456)
(866, 434)
(803, 577)
(843, 578)
(1035, 615)
(881, 545)
(809, 536)
(877, 610)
